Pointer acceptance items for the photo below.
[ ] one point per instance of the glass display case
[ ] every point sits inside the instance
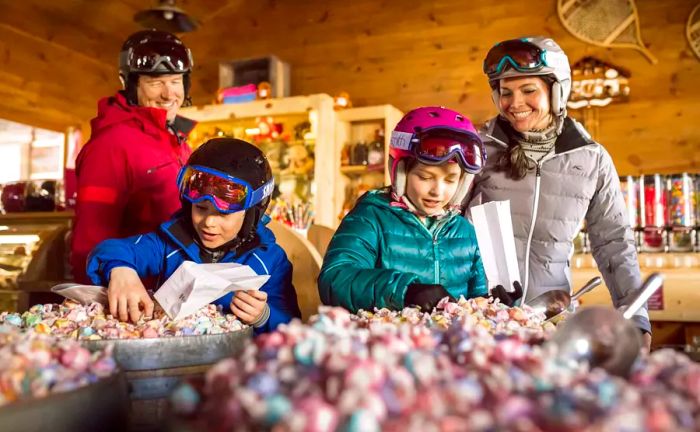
(33, 257)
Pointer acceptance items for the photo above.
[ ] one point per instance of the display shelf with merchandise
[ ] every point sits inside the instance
(362, 136)
(33, 256)
(296, 134)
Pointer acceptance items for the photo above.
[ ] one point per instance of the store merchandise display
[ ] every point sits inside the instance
(681, 206)
(36, 365)
(471, 365)
(91, 322)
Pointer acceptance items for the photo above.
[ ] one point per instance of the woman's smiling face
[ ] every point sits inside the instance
(525, 103)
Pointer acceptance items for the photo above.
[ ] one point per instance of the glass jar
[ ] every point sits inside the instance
(696, 204)
(630, 193)
(681, 212)
(653, 213)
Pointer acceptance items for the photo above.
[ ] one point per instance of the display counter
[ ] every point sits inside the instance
(674, 310)
(33, 257)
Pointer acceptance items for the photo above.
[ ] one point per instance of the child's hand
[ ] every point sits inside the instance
(248, 306)
(508, 299)
(127, 295)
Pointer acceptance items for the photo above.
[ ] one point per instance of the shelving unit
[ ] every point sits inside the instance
(242, 120)
(674, 311)
(356, 125)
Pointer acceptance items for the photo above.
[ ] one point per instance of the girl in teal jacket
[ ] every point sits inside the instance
(408, 244)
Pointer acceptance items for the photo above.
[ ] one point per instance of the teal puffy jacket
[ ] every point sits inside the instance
(380, 249)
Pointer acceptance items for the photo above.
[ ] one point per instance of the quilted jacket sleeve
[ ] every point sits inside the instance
(349, 278)
(143, 253)
(612, 241)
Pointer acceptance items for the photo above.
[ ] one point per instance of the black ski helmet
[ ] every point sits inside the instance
(153, 52)
(239, 159)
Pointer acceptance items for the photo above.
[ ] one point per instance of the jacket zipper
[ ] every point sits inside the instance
(535, 205)
(157, 167)
(436, 261)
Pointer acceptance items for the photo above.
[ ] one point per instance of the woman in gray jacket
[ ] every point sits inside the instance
(555, 175)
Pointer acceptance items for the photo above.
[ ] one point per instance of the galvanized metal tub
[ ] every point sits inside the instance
(155, 366)
(101, 406)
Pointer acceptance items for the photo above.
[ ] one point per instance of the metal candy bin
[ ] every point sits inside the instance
(101, 406)
(154, 367)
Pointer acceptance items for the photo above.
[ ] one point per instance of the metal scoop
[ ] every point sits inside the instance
(553, 303)
(604, 337)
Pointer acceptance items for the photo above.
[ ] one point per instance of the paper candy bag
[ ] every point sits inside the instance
(83, 294)
(193, 286)
(494, 233)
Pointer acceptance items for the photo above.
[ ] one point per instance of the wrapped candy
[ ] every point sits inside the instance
(471, 365)
(73, 320)
(37, 365)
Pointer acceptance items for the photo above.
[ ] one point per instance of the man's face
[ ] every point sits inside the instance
(161, 91)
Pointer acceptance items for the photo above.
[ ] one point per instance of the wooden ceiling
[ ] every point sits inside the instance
(59, 57)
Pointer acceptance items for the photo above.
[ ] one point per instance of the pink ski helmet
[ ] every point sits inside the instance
(433, 136)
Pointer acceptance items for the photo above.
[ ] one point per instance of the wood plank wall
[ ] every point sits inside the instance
(402, 52)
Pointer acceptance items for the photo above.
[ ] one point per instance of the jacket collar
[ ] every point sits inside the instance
(153, 120)
(572, 136)
(180, 232)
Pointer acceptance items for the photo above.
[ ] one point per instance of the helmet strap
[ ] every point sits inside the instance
(462, 190)
(399, 183)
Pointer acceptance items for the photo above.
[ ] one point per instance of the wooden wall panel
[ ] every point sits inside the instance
(400, 52)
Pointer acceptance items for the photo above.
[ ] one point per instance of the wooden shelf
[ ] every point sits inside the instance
(660, 261)
(36, 217)
(361, 169)
(680, 291)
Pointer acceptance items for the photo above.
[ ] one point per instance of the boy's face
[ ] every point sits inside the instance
(214, 228)
(430, 188)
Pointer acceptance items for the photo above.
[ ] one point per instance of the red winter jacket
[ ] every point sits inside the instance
(126, 175)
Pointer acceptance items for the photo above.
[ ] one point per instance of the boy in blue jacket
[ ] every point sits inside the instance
(225, 189)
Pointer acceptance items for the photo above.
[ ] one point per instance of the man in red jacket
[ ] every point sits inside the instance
(127, 170)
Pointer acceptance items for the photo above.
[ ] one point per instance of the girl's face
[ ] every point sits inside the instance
(214, 228)
(525, 103)
(430, 188)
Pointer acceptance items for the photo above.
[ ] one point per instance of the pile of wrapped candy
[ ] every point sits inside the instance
(36, 365)
(91, 322)
(492, 316)
(465, 367)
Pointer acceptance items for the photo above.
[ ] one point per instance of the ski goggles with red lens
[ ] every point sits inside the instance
(147, 58)
(439, 147)
(228, 194)
(519, 54)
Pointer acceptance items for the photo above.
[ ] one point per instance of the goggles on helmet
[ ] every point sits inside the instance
(149, 57)
(228, 194)
(435, 148)
(521, 55)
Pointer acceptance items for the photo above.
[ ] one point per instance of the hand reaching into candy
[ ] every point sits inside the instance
(507, 298)
(127, 295)
(426, 296)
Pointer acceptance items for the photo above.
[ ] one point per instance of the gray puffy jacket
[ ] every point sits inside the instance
(576, 181)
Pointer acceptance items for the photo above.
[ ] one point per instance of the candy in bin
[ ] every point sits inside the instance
(653, 213)
(682, 212)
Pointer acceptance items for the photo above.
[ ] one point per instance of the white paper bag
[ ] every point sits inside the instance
(494, 233)
(193, 286)
(83, 294)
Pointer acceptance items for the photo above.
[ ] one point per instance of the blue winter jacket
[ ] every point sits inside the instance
(158, 254)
